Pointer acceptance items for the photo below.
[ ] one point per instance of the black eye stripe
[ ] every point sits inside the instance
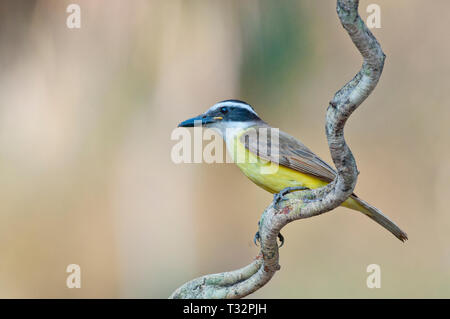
(232, 113)
(241, 115)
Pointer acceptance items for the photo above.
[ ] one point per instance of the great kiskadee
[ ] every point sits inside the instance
(297, 166)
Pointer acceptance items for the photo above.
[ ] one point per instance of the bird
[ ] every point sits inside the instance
(297, 167)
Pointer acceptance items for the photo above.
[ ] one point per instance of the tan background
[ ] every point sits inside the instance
(85, 123)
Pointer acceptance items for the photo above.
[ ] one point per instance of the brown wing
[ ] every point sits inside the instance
(291, 153)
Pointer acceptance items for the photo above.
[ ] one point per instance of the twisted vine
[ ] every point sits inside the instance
(307, 203)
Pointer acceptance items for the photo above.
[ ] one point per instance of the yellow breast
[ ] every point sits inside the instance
(256, 168)
(279, 177)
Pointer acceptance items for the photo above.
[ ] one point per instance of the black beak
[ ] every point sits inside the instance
(200, 120)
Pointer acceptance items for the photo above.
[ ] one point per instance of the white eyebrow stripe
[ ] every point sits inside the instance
(231, 103)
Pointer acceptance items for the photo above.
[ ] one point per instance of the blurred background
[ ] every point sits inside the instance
(86, 117)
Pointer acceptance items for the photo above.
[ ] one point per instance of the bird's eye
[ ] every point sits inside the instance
(224, 110)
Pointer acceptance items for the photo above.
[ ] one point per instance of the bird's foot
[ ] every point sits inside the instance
(278, 197)
(257, 239)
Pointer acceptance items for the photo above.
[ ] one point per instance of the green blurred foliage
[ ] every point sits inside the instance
(276, 48)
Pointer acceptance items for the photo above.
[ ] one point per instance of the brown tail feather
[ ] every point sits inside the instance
(376, 215)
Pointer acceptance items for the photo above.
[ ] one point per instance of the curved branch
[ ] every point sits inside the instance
(308, 203)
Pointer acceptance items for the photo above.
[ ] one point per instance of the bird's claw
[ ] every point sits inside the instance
(278, 197)
(281, 238)
(257, 238)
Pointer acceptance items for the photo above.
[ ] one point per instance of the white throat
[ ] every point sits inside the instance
(229, 130)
